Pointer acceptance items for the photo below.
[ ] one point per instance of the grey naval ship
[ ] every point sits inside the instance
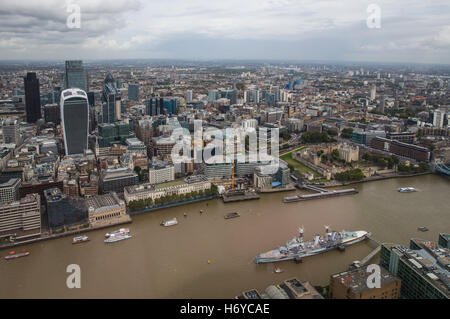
(297, 248)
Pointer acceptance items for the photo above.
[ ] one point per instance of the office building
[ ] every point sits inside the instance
(160, 173)
(111, 101)
(62, 210)
(11, 133)
(9, 191)
(21, 219)
(133, 92)
(154, 106)
(411, 151)
(353, 285)
(52, 113)
(213, 95)
(217, 170)
(438, 118)
(75, 76)
(114, 180)
(188, 96)
(75, 119)
(170, 104)
(373, 92)
(32, 97)
(424, 268)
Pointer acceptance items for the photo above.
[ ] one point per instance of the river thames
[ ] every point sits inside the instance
(172, 262)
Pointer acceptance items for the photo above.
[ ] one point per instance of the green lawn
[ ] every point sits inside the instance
(298, 166)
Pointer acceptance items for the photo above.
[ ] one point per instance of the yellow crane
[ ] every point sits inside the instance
(232, 175)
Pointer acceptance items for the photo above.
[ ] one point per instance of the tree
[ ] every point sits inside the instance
(347, 133)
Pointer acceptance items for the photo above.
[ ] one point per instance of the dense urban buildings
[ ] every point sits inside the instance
(106, 150)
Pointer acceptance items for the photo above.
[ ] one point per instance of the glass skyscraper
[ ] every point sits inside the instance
(133, 92)
(75, 119)
(32, 97)
(75, 76)
(111, 107)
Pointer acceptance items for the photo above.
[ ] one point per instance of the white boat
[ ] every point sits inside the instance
(80, 239)
(117, 237)
(407, 189)
(169, 222)
(121, 230)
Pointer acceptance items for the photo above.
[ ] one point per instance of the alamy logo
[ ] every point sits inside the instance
(374, 19)
(74, 19)
(374, 279)
(74, 279)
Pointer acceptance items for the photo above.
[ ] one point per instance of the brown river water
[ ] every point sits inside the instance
(172, 262)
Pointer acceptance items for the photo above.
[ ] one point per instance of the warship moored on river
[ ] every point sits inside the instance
(297, 248)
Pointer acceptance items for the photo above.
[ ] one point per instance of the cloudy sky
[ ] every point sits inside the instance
(411, 30)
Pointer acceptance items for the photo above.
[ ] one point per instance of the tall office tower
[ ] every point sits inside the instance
(373, 92)
(133, 92)
(32, 97)
(213, 95)
(188, 96)
(229, 94)
(154, 106)
(75, 119)
(91, 99)
(170, 104)
(254, 95)
(111, 101)
(76, 76)
(438, 118)
(382, 104)
(11, 132)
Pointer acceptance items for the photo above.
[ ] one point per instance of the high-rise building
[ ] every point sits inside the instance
(188, 96)
(170, 104)
(382, 103)
(75, 119)
(111, 107)
(133, 92)
(11, 134)
(373, 92)
(213, 95)
(32, 97)
(438, 118)
(76, 76)
(154, 106)
(229, 94)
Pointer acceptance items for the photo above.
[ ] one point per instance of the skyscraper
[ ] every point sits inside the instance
(75, 119)
(373, 92)
(111, 99)
(188, 96)
(133, 92)
(32, 97)
(75, 76)
(154, 106)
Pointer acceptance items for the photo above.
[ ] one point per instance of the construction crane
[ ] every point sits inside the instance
(232, 175)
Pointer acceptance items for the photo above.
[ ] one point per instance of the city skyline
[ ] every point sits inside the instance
(410, 31)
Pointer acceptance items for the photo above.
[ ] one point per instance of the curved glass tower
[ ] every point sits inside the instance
(75, 120)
